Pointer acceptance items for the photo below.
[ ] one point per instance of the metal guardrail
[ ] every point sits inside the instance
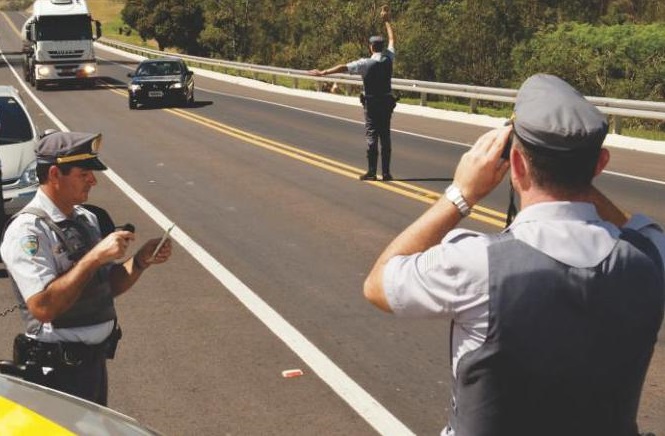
(617, 108)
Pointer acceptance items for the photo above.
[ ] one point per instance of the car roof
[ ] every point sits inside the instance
(160, 60)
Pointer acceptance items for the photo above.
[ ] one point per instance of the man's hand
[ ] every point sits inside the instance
(385, 13)
(144, 256)
(112, 247)
(481, 168)
(316, 73)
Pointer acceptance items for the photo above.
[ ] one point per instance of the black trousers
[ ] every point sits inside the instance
(378, 113)
(88, 381)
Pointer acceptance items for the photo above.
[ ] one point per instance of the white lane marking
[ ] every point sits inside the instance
(629, 176)
(335, 117)
(362, 402)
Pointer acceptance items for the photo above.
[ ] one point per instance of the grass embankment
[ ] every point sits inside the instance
(108, 13)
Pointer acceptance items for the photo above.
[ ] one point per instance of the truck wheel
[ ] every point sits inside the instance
(32, 80)
(132, 104)
(39, 85)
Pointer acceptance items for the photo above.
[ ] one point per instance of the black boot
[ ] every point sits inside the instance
(372, 160)
(385, 165)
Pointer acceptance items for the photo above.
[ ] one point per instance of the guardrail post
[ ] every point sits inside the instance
(473, 105)
(274, 79)
(617, 124)
(423, 99)
(318, 86)
(295, 83)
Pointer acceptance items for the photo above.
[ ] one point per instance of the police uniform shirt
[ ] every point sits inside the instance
(451, 279)
(35, 257)
(361, 66)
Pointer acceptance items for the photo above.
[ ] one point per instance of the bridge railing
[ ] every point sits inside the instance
(614, 107)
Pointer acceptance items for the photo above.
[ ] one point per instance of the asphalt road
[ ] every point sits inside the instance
(275, 236)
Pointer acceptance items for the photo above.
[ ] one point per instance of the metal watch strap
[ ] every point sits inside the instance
(455, 196)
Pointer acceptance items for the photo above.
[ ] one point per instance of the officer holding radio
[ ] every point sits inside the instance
(377, 100)
(554, 320)
(65, 272)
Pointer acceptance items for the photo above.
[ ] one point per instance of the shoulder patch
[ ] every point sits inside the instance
(30, 245)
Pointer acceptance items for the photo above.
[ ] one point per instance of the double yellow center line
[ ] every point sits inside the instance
(418, 193)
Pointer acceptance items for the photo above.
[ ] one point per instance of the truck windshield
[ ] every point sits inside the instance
(14, 124)
(64, 28)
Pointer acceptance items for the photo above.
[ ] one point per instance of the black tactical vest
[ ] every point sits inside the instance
(567, 348)
(377, 79)
(95, 304)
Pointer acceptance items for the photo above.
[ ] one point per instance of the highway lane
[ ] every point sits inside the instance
(299, 235)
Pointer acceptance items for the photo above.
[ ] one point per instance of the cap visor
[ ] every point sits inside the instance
(91, 164)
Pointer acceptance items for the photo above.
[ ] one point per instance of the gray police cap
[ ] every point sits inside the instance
(552, 115)
(72, 148)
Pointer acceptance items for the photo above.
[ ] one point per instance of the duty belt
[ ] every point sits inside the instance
(28, 351)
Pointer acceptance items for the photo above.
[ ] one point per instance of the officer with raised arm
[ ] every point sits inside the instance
(378, 100)
(66, 274)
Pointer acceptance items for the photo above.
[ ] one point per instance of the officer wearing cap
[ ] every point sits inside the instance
(66, 274)
(378, 101)
(554, 320)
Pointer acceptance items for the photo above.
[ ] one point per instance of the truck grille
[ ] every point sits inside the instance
(65, 54)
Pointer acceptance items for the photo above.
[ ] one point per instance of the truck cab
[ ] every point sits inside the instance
(58, 43)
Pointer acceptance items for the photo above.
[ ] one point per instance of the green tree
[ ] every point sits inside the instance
(622, 61)
(172, 23)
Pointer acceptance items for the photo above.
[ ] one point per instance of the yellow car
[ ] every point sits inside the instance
(29, 409)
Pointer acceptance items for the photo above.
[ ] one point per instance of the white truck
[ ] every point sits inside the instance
(58, 43)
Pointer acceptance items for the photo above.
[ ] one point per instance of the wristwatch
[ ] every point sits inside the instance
(455, 196)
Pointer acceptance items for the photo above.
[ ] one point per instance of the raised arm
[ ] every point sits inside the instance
(385, 16)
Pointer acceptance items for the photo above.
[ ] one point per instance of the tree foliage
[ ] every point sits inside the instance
(172, 23)
(621, 60)
(604, 47)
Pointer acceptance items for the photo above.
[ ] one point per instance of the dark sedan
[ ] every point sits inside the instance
(161, 81)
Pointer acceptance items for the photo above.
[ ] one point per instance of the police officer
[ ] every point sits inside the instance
(65, 274)
(554, 320)
(378, 101)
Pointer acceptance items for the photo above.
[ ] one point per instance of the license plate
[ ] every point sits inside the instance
(155, 94)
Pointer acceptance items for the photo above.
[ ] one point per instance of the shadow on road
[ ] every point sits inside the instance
(423, 179)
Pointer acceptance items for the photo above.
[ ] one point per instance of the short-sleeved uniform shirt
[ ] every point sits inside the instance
(35, 257)
(361, 66)
(451, 279)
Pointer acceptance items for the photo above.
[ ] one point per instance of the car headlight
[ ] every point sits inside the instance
(89, 68)
(43, 70)
(134, 87)
(29, 176)
(176, 85)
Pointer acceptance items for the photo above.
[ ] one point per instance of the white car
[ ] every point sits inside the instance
(18, 138)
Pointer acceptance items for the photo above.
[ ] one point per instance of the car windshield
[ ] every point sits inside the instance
(14, 123)
(159, 69)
